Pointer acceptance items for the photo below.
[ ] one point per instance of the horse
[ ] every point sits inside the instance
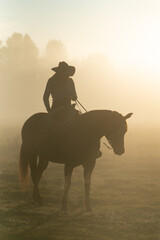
(73, 146)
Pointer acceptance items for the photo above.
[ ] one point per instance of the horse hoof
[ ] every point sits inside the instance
(63, 212)
(89, 212)
(38, 203)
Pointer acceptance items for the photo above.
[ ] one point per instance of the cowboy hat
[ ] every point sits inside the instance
(65, 68)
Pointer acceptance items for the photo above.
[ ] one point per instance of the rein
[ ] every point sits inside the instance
(110, 148)
(78, 103)
(81, 105)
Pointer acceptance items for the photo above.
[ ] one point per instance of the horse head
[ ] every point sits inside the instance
(115, 135)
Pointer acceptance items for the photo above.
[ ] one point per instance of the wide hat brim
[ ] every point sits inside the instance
(64, 68)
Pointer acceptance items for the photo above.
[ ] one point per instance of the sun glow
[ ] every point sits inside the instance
(140, 48)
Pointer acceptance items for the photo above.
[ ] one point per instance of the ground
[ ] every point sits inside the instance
(125, 197)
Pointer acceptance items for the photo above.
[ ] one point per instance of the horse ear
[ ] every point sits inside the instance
(128, 115)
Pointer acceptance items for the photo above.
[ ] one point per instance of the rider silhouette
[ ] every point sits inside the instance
(61, 87)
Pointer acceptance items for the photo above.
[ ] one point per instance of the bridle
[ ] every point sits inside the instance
(78, 105)
(110, 148)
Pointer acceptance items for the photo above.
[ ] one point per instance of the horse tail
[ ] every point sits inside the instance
(23, 166)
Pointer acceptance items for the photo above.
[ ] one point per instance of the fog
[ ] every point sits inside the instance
(125, 189)
(101, 83)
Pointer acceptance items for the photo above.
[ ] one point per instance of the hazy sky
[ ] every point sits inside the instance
(126, 30)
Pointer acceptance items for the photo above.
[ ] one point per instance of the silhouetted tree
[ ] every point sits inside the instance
(20, 53)
(55, 52)
(24, 74)
(18, 70)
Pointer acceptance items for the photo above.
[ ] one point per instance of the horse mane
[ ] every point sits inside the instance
(118, 119)
(111, 115)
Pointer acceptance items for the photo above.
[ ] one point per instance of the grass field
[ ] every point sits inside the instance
(125, 196)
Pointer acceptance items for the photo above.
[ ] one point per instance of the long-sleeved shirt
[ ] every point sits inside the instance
(60, 89)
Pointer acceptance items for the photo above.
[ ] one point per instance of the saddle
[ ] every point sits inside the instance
(62, 117)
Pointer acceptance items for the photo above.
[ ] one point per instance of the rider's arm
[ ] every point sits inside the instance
(46, 97)
(73, 90)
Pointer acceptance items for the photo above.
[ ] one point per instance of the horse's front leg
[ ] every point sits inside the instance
(88, 168)
(67, 174)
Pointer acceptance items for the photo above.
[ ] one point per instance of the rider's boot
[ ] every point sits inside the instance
(99, 154)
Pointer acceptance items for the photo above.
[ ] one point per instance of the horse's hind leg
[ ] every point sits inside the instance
(68, 174)
(42, 165)
(33, 167)
(36, 173)
(88, 168)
